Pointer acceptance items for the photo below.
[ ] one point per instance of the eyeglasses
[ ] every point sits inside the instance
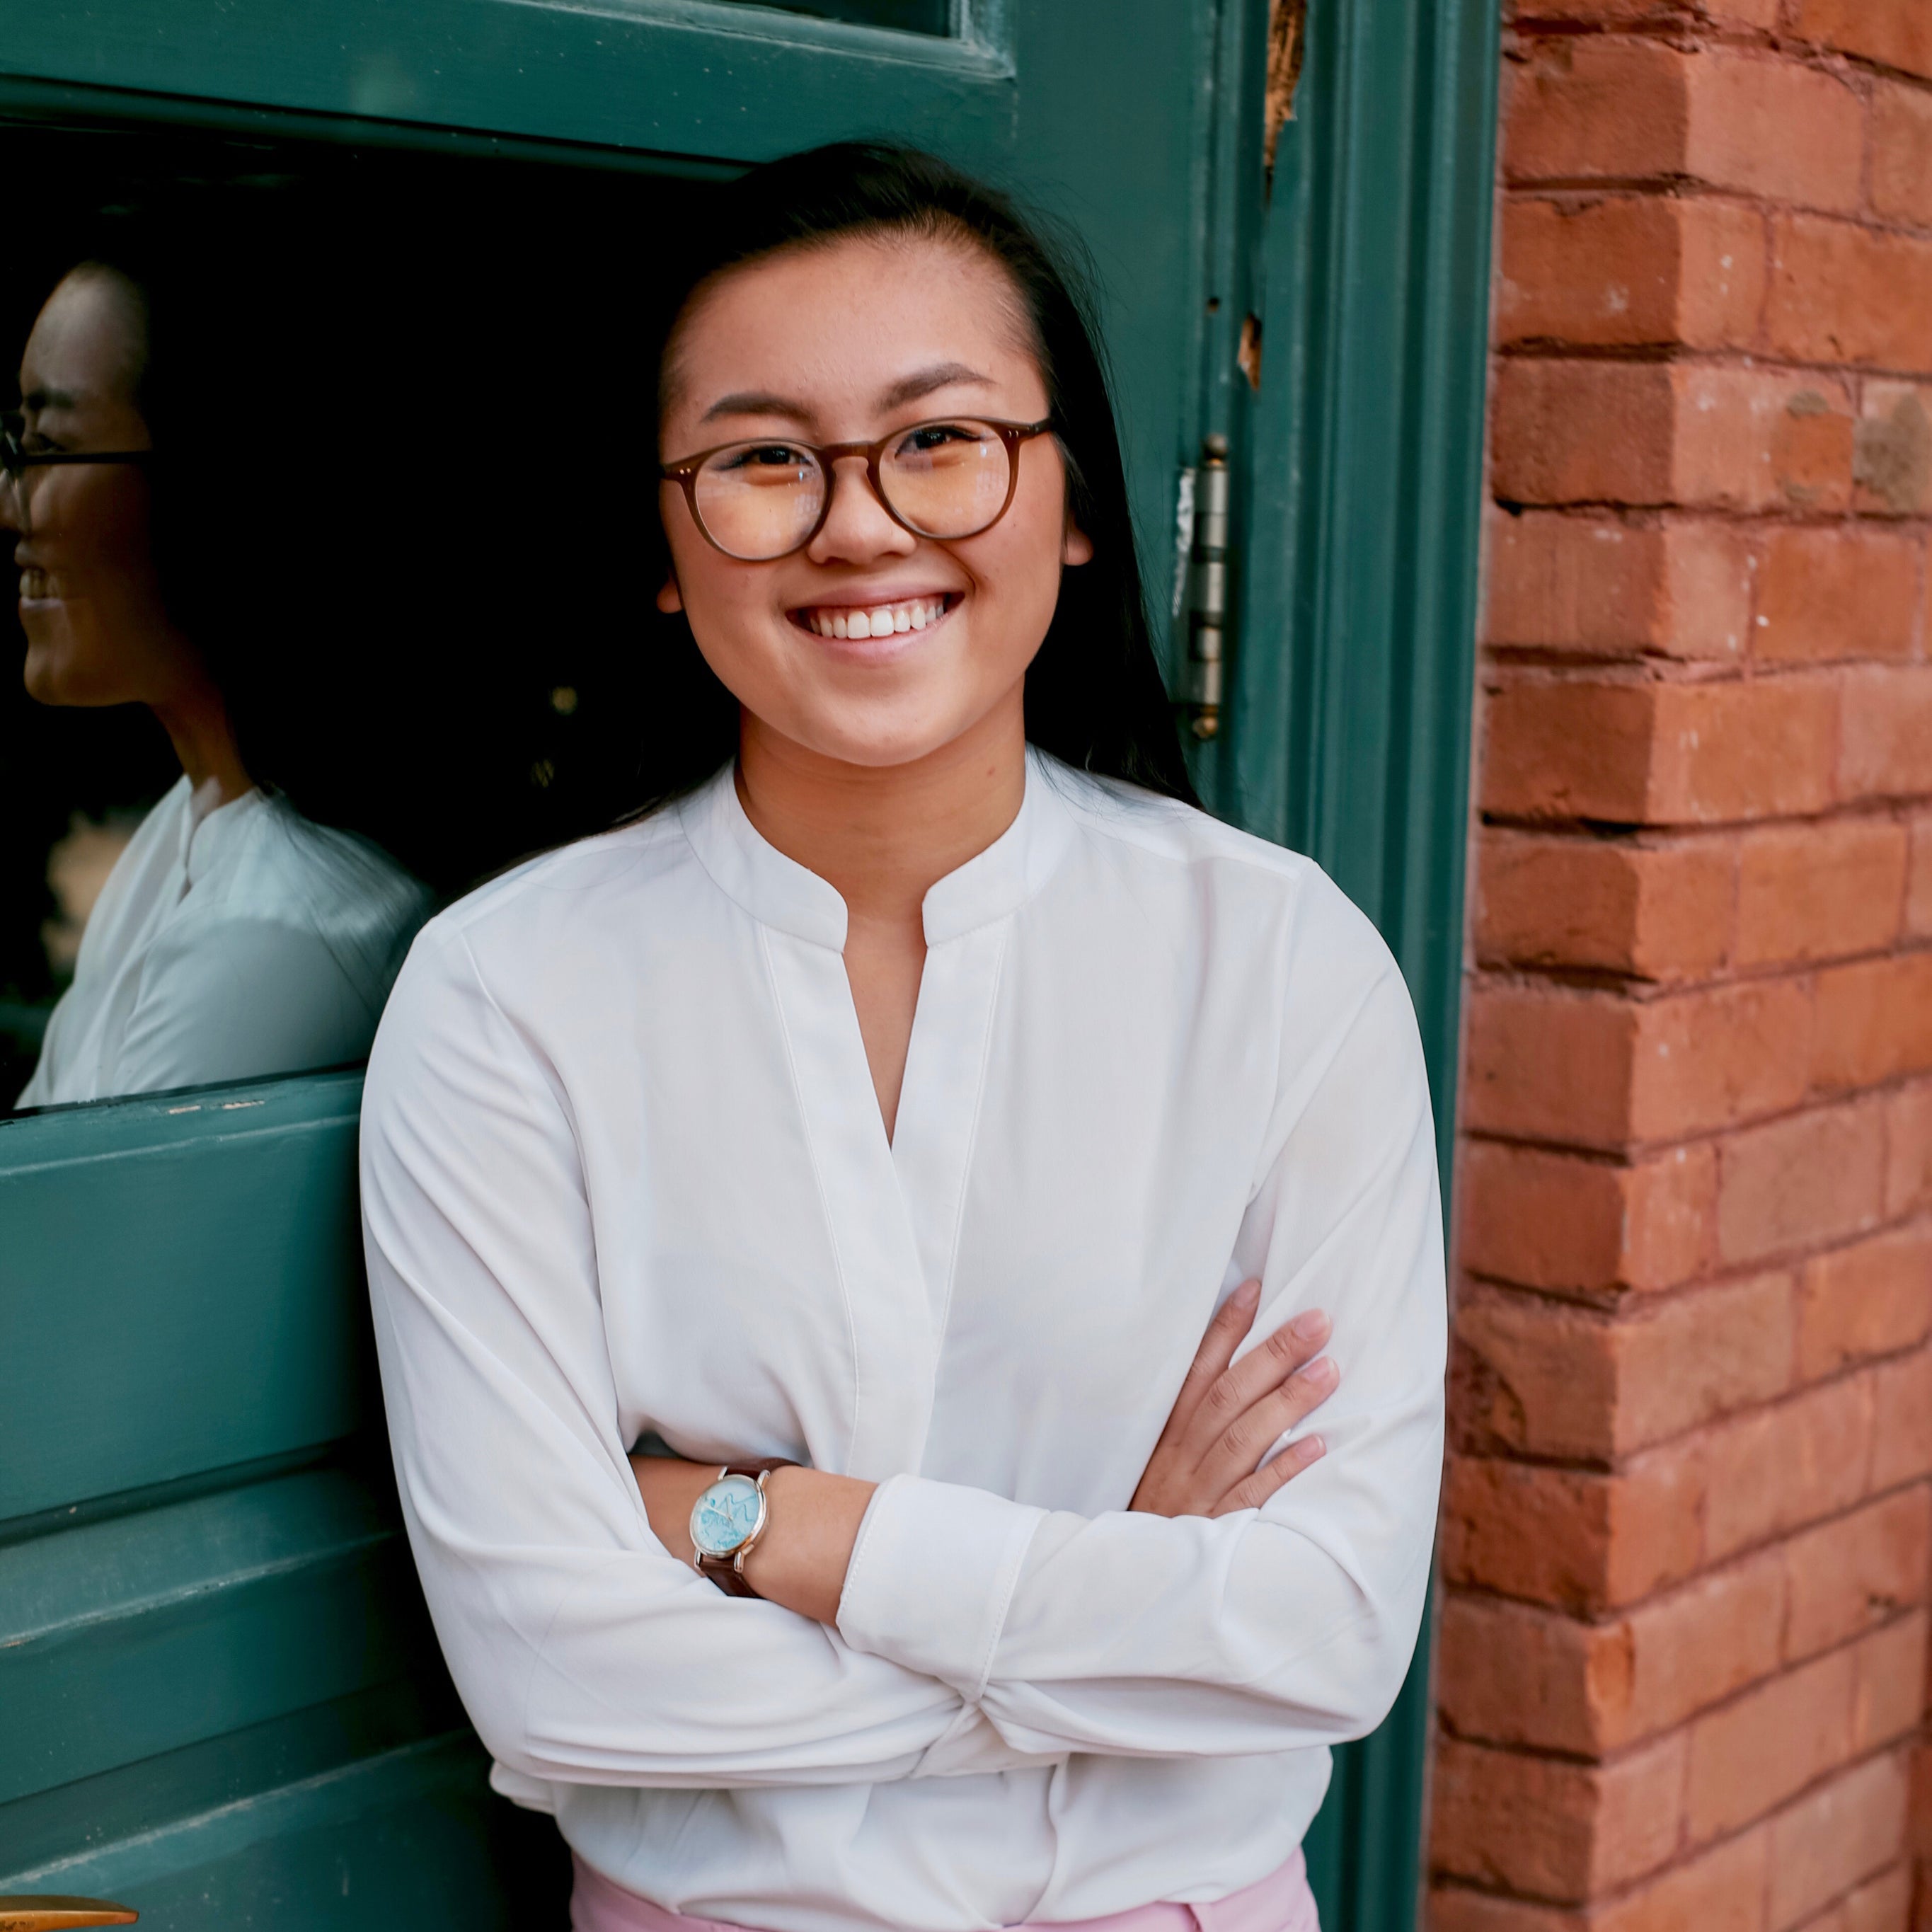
(766, 498)
(19, 464)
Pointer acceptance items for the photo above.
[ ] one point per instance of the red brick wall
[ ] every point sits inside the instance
(1688, 1520)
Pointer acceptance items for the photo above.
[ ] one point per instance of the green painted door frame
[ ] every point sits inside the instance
(206, 1616)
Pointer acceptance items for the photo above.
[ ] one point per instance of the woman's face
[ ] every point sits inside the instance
(89, 600)
(846, 343)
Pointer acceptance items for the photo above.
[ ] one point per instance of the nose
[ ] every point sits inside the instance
(857, 527)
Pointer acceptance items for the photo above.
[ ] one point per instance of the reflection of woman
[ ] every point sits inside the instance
(900, 1100)
(233, 936)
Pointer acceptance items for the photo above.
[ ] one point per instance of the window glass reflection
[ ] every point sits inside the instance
(323, 487)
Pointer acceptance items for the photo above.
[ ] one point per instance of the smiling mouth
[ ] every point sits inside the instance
(873, 620)
(36, 586)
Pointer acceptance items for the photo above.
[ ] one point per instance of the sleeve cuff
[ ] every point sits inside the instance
(931, 1577)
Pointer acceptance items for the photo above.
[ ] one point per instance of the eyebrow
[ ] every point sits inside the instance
(48, 399)
(907, 389)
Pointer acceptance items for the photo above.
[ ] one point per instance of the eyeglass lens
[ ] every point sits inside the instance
(761, 500)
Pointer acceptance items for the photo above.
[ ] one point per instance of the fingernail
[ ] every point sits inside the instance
(1314, 1447)
(1323, 1372)
(1247, 1295)
(1308, 1325)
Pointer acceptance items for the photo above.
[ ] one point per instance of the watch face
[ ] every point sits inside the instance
(726, 1514)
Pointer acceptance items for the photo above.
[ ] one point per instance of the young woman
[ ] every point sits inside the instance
(233, 936)
(884, 1115)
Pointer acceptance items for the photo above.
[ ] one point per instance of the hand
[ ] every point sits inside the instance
(801, 1560)
(1208, 1460)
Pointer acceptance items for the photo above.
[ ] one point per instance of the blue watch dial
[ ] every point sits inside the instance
(726, 1514)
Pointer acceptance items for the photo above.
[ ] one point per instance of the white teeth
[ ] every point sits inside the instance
(885, 621)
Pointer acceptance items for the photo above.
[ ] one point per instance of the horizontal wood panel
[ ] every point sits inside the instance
(400, 1840)
(178, 1287)
(128, 1638)
(676, 77)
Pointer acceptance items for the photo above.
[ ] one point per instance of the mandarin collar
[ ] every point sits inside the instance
(778, 892)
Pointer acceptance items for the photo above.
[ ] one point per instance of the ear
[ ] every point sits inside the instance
(1076, 546)
(670, 599)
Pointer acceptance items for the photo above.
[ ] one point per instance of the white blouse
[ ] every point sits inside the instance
(624, 1173)
(228, 940)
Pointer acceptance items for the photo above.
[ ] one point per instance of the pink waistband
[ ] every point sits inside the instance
(1282, 1902)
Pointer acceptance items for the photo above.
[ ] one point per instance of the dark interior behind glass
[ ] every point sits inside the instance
(414, 493)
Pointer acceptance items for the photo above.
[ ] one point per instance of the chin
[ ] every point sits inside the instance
(55, 673)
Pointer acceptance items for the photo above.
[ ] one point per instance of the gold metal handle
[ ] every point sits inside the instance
(52, 1912)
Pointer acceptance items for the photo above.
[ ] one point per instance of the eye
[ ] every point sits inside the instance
(930, 437)
(752, 458)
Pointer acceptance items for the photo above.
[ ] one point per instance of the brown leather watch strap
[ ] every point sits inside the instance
(724, 1570)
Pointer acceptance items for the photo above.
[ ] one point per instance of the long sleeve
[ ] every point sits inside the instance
(583, 1650)
(1287, 1626)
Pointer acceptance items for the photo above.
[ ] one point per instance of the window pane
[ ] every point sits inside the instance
(380, 499)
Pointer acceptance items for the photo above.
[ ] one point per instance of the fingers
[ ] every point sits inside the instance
(1232, 1321)
(1253, 1491)
(1258, 1374)
(1238, 1450)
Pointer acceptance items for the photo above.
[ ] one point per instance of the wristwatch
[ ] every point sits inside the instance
(727, 1520)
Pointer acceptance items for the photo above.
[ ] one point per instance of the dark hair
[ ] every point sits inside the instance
(1094, 697)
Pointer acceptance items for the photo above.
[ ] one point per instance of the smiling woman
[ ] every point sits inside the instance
(922, 1106)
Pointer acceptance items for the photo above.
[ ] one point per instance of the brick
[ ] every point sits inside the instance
(1858, 1571)
(1901, 164)
(1908, 1146)
(1560, 1831)
(1561, 582)
(1873, 1021)
(1768, 1473)
(1756, 1752)
(1549, 1065)
(1736, 750)
(1656, 912)
(1569, 431)
(1572, 1537)
(1842, 292)
(1872, 1299)
(1514, 1673)
(1596, 1071)
(1889, 1694)
(1518, 1674)
(1817, 1176)
(1715, 1057)
(1843, 591)
(1571, 750)
(1891, 33)
(1456, 1908)
(1662, 754)
(1891, 465)
(1621, 271)
(1612, 109)
(1819, 891)
(1851, 1829)
(1918, 878)
(1770, 127)
(1597, 109)
(1569, 1226)
(1721, 1890)
(1882, 1904)
(1886, 726)
(1902, 1420)
(1545, 1378)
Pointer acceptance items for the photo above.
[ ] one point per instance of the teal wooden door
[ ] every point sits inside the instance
(221, 1701)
